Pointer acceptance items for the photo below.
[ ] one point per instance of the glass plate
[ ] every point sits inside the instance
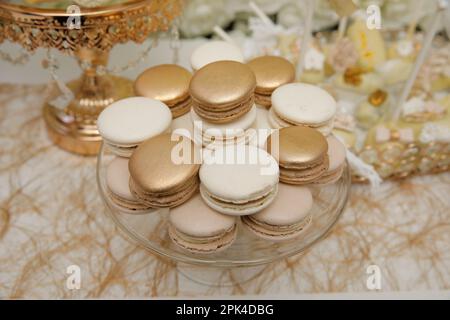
(150, 230)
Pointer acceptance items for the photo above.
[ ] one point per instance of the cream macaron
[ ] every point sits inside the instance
(302, 104)
(336, 158)
(213, 51)
(212, 135)
(282, 220)
(238, 180)
(126, 123)
(197, 228)
(301, 153)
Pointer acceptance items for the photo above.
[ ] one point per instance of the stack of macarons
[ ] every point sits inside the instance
(223, 109)
(161, 179)
(168, 83)
(301, 153)
(216, 179)
(305, 156)
(271, 72)
(199, 229)
(124, 125)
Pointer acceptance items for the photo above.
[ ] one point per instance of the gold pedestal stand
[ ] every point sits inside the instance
(74, 128)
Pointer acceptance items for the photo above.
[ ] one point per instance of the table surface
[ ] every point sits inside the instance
(51, 217)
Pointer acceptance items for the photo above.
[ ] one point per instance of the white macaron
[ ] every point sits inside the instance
(213, 51)
(239, 180)
(302, 104)
(126, 123)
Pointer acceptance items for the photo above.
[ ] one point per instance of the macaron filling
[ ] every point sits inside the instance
(120, 150)
(130, 206)
(203, 245)
(217, 135)
(302, 154)
(197, 228)
(224, 113)
(276, 232)
(331, 176)
(170, 198)
(235, 206)
(180, 108)
(160, 179)
(305, 175)
(278, 122)
(264, 100)
(281, 220)
(239, 180)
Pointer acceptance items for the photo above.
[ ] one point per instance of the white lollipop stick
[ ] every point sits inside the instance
(223, 35)
(264, 18)
(416, 15)
(443, 4)
(342, 27)
(310, 4)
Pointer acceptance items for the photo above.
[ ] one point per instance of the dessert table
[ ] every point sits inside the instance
(51, 217)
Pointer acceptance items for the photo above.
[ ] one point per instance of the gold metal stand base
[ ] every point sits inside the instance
(72, 131)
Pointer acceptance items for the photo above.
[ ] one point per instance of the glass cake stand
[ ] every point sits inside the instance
(248, 255)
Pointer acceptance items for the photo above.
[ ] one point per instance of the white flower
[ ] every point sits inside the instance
(314, 59)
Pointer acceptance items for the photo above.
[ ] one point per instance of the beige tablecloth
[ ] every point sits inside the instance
(51, 217)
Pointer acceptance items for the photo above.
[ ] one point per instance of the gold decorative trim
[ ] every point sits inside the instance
(101, 28)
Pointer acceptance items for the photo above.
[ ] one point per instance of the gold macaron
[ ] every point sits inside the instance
(168, 83)
(270, 72)
(301, 153)
(223, 91)
(163, 172)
